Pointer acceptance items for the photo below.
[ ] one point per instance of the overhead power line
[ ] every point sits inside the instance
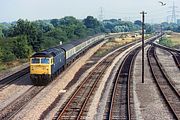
(173, 16)
(101, 16)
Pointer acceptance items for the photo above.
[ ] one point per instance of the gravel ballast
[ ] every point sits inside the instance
(13, 91)
(98, 105)
(169, 66)
(148, 103)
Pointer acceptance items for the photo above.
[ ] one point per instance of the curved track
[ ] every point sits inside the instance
(175, 53)
(77, 105)
(176, 57)
(168, 91)
(119, 106)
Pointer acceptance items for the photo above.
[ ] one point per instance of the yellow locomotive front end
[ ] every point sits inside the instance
(40, 66)
(40, 70)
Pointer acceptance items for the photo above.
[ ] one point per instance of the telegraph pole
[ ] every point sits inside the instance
(143, 13)
(161, 31)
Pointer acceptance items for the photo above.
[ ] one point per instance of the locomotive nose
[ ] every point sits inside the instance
(40, 69)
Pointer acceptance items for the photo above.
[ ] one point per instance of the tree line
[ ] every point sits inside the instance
(171, 26)
(20, 39)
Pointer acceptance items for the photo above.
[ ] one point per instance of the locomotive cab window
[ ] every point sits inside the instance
(35, 60)
(45, 60)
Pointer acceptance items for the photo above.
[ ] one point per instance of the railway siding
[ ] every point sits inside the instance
(97, 108)
(148, 103)
(166, 88)
(169, 66)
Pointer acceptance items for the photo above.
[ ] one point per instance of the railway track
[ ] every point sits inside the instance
(175, 53)
(77, 105)
(168, 91)
(18, 104)
(118, 105)
(176, 57)
(4, 83)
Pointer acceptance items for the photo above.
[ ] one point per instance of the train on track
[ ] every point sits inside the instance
(46, 65)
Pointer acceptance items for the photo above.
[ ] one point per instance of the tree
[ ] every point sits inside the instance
(35, 37)
(138, 22)
(178, 29)
(33, 33)
(149, 28)
(108, 26)
(8, 56)
(1, 54)
(1, 31)
(21, 48)
(44, 26)
(57, 33)
(80, 31)
(69, 20)
(91, 22)
(74, 28)
(115, 25)
(55, 22)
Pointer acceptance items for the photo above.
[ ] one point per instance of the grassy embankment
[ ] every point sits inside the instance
(115, 43)
(8, 65)
(171, 40)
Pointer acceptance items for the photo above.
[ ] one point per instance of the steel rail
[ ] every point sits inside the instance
(19, 103)
(167, 89)
(9, 79)
(128, 59)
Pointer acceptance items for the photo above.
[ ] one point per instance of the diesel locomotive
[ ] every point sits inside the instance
(46, 65)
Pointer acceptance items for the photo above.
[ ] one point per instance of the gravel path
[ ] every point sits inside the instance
(41, 102)
(169, 66)
(148, 103)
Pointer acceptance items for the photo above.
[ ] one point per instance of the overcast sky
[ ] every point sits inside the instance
(12, 10)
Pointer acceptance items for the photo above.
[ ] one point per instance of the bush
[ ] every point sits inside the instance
(8, 56)
(2, 67)
(1, 54)
(166, 42)
(21, 48)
